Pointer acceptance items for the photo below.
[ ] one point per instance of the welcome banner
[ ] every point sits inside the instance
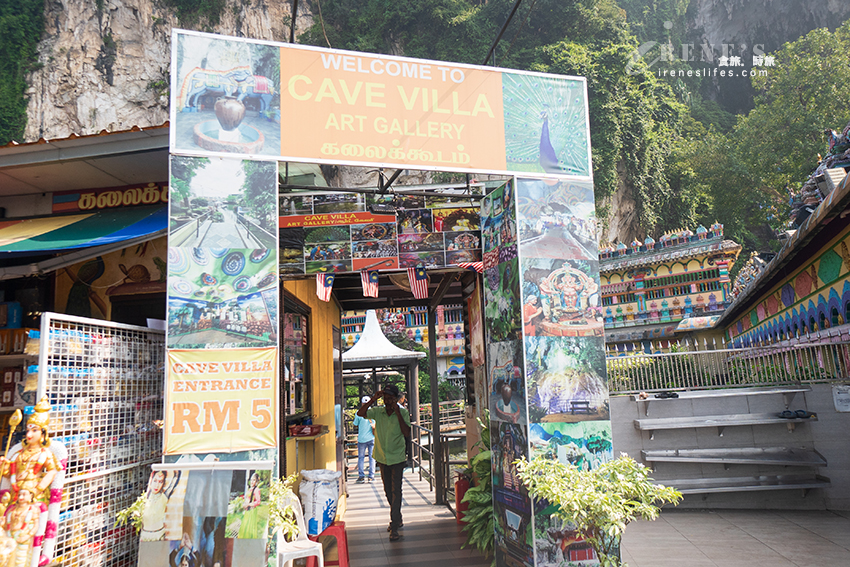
(308, 104)
(220, 400)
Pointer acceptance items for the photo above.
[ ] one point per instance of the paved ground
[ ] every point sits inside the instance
(740, 538)
(679, 538)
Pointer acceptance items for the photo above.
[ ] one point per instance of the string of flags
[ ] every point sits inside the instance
(417, 277)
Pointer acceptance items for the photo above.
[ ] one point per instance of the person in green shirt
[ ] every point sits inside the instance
(392, 428)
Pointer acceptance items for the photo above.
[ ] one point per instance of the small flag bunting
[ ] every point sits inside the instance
(324, 286)
(418, 282)
(369, 279)
(477, 266)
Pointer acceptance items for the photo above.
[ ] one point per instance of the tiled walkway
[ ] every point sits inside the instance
(679, 538)
(740, 538)
(431, 537)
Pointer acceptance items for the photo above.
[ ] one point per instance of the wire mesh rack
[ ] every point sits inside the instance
(104, 382)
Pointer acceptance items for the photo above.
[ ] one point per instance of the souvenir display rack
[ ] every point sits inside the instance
(104, 382)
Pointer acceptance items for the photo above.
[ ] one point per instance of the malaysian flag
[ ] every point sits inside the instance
(418, 282)
(475, 266)
(369, 279)
(324, 286)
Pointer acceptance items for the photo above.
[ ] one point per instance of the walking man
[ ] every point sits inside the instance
(392, 428)
(365, 445)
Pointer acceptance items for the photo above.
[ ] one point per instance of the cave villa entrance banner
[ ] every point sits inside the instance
(240, 106)
(308, 104)
(220, 399)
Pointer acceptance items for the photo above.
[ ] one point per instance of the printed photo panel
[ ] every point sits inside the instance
(507, 383)
(218, 204)
(557, 219)
(558, 543)
(561, 298)
(514, 536)
(586, 444)
(511, 503)
(566, 379)
(248, 507)
(545, 125)
(502, 301)
(163, 517)
(244, 320)
(226, 96)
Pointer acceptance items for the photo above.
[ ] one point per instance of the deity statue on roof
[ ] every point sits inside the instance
(33, 473)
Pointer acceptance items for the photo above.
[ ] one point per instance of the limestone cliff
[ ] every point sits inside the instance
(106, 65)
(767, 22)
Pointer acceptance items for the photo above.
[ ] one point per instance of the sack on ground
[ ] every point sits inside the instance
(319, 491)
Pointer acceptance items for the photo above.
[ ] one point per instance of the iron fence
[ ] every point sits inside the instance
(770, 365)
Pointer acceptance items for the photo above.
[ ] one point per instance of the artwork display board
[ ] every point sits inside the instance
(245, 102)
(545, 356)
(104, 382)
(431, 231)
(207, 513)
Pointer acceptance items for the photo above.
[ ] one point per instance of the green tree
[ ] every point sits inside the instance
(743, 178)
(633, 117)
(21, 26)
(183, 170)
(796, 100)
(260, 187)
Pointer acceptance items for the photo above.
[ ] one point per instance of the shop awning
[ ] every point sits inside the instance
(76, 237)
(83, 230)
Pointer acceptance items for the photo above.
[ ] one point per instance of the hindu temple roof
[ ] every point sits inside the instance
(373, 348)
(832, 206)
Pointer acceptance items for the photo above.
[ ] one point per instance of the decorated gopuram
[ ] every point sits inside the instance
(802, 294)
(657, 291)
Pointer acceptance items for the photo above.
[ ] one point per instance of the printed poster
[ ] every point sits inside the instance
(200, 514)
(220, 400)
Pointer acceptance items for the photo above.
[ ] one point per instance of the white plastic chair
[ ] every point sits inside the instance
(302, 546)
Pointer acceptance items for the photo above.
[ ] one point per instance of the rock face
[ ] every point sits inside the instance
(767, 22)
(108, 68)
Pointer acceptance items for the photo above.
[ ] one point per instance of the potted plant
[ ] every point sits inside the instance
(132, 514)
(598, 503)
(282, 518)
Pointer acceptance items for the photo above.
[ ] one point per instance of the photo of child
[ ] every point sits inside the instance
(161, 487)
(248, 510)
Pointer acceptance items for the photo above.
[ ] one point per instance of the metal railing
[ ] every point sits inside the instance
(448, 462)
(451, 415)
(417, 432)
(423, 456)
(729, 368)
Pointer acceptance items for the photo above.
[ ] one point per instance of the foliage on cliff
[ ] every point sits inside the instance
(634, 117)
(21, 25)
(746, 176)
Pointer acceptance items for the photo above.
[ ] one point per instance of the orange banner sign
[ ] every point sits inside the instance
(221, 400)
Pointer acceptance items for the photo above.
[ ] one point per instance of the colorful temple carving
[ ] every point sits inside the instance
(649, 287)
(802, 293)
